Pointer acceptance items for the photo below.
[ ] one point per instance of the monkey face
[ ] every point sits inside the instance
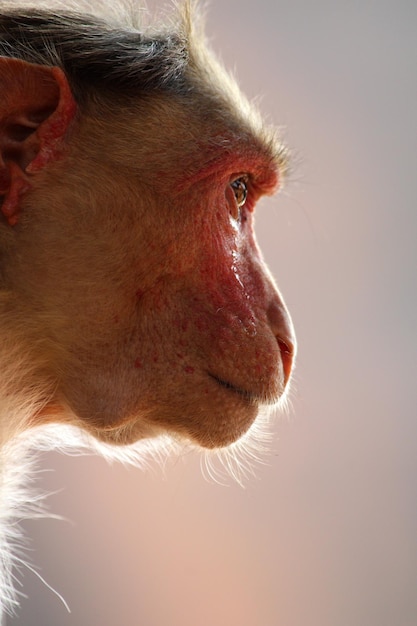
(172, 322)
(194, 350)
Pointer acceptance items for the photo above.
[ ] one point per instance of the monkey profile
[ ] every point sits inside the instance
(134, 301)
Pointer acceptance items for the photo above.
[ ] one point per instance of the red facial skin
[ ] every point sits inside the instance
(203, 338)
(231, 339)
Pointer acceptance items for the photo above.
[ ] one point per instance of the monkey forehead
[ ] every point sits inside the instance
(242, 140)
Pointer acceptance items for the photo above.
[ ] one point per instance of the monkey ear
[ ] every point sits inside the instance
(36, 108)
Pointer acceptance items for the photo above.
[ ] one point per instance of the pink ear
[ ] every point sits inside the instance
(36, 108)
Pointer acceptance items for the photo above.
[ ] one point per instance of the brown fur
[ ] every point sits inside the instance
(132, 302)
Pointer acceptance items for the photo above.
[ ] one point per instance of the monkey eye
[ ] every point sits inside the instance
(240, 190)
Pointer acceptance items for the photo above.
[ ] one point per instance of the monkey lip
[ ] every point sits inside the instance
(246, 395)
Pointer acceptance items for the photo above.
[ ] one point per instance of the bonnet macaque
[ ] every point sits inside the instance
(134, 301)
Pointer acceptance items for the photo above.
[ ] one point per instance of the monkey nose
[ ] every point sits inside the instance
(287, 358)
(281, 325)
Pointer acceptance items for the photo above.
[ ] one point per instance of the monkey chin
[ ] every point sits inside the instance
(226, 430)
(222, 419)
(209, 430)
(227, 415)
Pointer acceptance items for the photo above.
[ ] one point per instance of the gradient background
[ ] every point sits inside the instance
(326, 534)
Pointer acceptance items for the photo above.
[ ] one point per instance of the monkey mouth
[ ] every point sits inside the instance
(246, 395)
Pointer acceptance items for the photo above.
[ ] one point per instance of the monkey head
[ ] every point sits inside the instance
(129, 258)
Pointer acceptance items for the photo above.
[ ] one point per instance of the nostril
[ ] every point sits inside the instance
(287, 357)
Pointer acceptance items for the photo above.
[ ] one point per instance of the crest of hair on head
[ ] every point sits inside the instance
(126, 13)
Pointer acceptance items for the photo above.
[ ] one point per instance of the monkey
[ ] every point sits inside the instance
(135, 303)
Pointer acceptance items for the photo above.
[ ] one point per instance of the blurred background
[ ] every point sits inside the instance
(326, 533)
